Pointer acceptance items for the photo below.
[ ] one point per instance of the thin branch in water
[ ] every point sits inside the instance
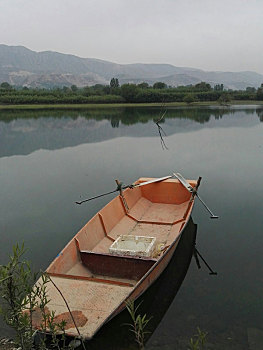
(160, 130)
(161, 116)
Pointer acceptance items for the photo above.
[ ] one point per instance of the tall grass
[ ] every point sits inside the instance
(138, 324)
(21, 297)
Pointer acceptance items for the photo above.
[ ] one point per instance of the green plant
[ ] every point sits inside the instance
(139, 323)
(224, 99)
(48, 325)
(199, 340)
(21, 297)
(190, 98)
(16, 281)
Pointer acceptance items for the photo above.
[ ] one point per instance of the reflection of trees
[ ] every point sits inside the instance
(115, 122)
(96, 113)
(128, 115)
(131, 116)
(259, 112)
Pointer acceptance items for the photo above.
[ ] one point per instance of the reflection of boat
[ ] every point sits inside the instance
(97, 276)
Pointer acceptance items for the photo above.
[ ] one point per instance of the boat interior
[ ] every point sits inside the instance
(158, 210)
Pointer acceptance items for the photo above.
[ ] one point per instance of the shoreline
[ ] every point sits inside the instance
(125, 105)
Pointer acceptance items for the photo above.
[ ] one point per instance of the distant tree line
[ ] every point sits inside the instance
(133, 93)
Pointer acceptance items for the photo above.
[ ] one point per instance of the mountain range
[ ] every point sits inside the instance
(23, 67)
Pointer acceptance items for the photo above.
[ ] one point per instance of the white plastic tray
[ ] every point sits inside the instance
(133, 245)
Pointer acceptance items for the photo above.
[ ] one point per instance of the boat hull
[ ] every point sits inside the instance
(97, 284)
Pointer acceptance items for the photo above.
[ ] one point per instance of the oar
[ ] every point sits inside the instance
(196, 254)
(150, 181)
(120, 187)
(194, 192)
(100, 195)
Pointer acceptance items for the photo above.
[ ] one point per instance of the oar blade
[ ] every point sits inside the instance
(152, 181)
(184, 182)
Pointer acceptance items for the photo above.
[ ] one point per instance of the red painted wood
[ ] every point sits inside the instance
(116, 266)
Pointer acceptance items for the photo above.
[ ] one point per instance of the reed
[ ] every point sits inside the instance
(138, 324)
(199, 340)
(20, 297)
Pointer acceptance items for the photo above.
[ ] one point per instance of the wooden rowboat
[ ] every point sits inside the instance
(118, 254)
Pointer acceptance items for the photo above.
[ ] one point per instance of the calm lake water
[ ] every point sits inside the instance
(48, 160)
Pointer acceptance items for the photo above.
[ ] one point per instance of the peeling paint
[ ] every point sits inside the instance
(79, 318)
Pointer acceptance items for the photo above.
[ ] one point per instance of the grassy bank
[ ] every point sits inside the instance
(123, 105)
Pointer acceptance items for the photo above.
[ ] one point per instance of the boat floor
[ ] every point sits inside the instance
(90, 303)
(147, 219)
(145, 210)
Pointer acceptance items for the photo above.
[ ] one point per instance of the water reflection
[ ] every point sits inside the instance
(155, 301)
(23, 132)
(38, 192)
(259, 112)
(160, 130)
(132, 115)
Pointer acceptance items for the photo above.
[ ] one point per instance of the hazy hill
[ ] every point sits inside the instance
(21, 66)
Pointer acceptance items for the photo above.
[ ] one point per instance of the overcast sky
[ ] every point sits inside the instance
(208, 34)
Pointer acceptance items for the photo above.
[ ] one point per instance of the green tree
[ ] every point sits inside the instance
(129, 92)
(219, 87)
(5, 86)
(98, 87)
(250, 89)
(65, 89)
(74, 88)
(143, 85)
(159, 85)
(106, 90)
(224, 99)
(203, 86)
(260, 93)
(114, 83)
(190, 98)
